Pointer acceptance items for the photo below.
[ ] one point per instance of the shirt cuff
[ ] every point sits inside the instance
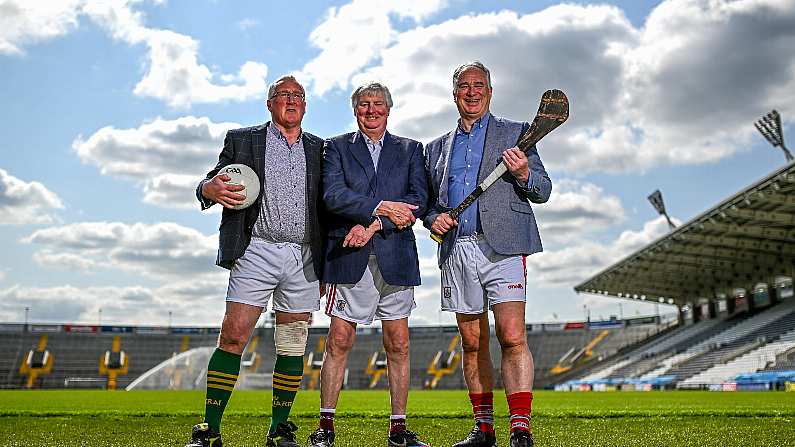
(376, 209)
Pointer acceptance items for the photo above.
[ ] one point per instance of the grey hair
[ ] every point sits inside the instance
(474, 64)
(272, 87)
(373, 88)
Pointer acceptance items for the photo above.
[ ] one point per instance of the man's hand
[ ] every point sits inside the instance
(443, 224)
(400, 213)
(516, 162)
(358, 236)
(322, 289)
(223, 193)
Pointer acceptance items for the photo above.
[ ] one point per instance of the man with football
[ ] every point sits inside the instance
(482, 257)
(374, 188)
(272, 248)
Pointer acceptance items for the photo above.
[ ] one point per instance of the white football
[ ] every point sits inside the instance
(240, 174)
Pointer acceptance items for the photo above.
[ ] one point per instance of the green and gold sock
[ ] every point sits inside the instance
(222, 374)
(286, 380)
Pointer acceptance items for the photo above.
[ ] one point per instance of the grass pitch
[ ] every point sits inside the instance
(164, 418)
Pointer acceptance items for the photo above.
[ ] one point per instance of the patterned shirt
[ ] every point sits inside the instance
(284, 213)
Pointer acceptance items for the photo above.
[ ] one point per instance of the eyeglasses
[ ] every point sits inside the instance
(298, 96)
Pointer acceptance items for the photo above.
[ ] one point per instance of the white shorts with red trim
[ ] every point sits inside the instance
(475, 276)
(369, 299)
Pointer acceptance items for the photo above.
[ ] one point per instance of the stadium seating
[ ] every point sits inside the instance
(77, 354)
(704, 354)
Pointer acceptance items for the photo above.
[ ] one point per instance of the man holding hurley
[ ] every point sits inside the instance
(482, 259)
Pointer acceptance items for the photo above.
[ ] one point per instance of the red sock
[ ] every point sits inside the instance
(519, 406)
(327, 418)
(483, 409)
(397, 423)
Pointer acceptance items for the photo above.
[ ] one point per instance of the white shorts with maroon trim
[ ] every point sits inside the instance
(475, 276)
(370, 298)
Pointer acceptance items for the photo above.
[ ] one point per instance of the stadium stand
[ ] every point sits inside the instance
(729, 271)
(77, 350)
(701, 355)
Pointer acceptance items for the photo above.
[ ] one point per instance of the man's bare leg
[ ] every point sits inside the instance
(396, 345)
(478, 370)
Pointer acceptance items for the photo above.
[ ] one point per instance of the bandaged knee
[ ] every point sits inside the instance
(290, 338)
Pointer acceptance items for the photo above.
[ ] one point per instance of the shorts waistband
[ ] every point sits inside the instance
(259, 240)
(474, 237)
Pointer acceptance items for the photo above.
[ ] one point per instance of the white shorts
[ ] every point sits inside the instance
(475, 276)
(281, 269)
(370, 298)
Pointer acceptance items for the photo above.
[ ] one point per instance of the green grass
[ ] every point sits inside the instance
(163, 418)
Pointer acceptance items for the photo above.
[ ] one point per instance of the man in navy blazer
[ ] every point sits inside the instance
(482, 254)
(374, 188)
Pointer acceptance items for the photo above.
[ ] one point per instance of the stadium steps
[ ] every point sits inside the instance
(720, 354)
(653, 336)
(741, 327)
(605, 372)
(647, 357)
(784, 361)
(750, 362)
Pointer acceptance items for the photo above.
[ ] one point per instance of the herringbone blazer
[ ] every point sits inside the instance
(506, 216)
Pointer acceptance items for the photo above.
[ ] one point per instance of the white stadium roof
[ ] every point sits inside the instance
(746, 239)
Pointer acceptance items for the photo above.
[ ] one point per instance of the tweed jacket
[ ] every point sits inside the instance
(506, 216)
(247, 146)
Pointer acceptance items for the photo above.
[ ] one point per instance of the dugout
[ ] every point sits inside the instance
(738, 256)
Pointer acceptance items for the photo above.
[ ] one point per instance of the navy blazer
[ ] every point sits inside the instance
(352, 189)
(247, 146)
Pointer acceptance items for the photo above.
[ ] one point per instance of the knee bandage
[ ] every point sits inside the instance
(290, 338)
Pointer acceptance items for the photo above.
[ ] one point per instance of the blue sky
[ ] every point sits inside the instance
(115, 109)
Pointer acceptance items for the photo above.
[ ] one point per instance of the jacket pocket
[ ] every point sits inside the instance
(522, 207)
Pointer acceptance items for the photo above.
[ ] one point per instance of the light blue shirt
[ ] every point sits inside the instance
(465, 158)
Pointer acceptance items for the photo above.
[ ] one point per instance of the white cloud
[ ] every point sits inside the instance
(173, 72)
(575, 263)
(65, 261)
(24, 202)
(683, 89)
(191, 303)
(27, 22)
(577, 208)
(166, 157)
(352, 35)
(161, 250)
(247, 24)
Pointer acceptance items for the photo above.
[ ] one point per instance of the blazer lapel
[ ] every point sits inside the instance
(312, 155)
(258, 138)
(493, 147)
(444, 159)
(358, 148)
(390, 152)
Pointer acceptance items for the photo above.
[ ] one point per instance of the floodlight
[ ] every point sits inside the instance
(657, 202)
(770, 128)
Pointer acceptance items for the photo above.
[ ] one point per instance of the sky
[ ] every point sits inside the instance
(115, 109)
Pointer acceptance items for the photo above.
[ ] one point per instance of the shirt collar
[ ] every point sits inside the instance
(278, 133)
(480, 123)
(367, 139)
